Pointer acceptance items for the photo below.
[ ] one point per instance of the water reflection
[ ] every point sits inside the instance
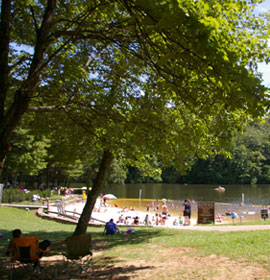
(253, 194)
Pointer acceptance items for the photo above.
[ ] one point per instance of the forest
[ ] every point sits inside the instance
(246, 161)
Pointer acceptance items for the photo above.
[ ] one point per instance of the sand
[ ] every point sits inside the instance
(102, 214)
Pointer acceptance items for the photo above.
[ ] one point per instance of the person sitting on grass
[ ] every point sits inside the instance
(110, 228)
(43, 246)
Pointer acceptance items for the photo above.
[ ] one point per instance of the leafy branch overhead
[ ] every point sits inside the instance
(185, 70)
(170, 78)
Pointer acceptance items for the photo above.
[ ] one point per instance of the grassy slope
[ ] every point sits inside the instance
(253, 245)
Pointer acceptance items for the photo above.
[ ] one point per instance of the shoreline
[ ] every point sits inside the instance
(121, 209)
(127, 216)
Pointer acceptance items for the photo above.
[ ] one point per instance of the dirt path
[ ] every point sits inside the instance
(169, 263)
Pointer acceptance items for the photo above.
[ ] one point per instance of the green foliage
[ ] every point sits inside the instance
(248, 163)
(118, 172)
(146, 171)
(169, 79)
(28, 154)
(16, 195)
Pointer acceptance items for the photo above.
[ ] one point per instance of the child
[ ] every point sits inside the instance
(234, 215)
(157, 219)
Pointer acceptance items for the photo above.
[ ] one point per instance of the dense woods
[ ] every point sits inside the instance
(247, 162)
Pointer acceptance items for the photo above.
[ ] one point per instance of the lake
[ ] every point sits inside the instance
(253, 194)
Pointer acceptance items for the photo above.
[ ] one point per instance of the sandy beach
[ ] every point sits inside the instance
(123, 211)
(125, 216)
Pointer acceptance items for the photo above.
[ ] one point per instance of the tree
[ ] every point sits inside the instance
(145, 78)
(248, 162)
(118, 172)
(28, 154)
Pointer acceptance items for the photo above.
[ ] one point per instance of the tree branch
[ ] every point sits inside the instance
(5, 29)
(34, 18)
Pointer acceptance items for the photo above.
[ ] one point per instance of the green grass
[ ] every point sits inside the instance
(255, 222)
(253, 246)
(30, 224)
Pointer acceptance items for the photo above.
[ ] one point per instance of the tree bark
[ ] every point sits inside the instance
(103, 172)
(10, 118)
(5, 29)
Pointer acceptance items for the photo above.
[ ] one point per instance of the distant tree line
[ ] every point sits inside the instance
(247, 161)
(34, 160)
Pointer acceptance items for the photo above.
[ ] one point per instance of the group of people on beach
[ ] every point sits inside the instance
(161, 216)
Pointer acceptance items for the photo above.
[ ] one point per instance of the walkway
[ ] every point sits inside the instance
(225, 228)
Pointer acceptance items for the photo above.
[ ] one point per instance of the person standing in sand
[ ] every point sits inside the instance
(187, 212)
(104, 201)
(234, 215)
(164, 208)
(157, 219)
(146, 220)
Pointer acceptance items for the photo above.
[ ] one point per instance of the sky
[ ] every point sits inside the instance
(263, 67)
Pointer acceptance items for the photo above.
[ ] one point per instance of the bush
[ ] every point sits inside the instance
(16, 195)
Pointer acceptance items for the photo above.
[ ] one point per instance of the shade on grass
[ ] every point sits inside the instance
(253, 245)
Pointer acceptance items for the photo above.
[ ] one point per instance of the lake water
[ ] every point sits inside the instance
(252, 194)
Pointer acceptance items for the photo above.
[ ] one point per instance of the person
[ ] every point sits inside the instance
(43, 246)
(180, 220)
(120, 219)
(147, 207)
(157, 219)
(164, 208)
(126, 221)
(136, 221)
(234, 215)
(219, 218)
(146, 220)
(111, 228)
(104, 201)
(186, 212)
(84, 195)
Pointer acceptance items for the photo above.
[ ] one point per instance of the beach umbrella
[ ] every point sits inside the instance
(109, 196)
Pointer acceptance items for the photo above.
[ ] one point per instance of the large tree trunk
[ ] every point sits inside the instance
(10, 117)
(104, 169)
(5, 29)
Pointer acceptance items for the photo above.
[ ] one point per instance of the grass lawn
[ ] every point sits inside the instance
(156, 253)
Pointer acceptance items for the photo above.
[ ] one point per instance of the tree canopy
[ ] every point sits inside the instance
(138, 77)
